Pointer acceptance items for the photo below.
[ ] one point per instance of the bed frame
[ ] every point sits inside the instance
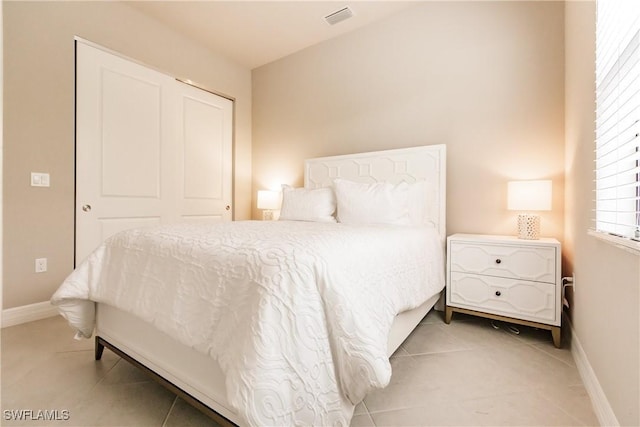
(196, 377)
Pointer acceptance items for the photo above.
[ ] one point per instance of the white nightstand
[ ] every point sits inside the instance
(505, 278)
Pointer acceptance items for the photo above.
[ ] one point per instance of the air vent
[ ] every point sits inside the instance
(339, 16)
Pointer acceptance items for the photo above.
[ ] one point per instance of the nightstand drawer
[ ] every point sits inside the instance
(534, 301)
(536, 263)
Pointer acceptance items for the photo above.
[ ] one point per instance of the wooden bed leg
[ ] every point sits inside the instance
(448, 313)
(99, 348)
(555, 333)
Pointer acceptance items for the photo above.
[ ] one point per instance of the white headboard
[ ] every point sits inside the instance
(426, 163)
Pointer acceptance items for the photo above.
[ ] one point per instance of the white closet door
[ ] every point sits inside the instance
(144, 146)
(204, 159)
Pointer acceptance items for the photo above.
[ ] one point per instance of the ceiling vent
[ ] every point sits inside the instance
(339, 16)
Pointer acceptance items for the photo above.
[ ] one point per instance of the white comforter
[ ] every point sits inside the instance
(296, 313)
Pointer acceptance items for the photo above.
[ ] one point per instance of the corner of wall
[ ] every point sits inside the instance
(1, 154)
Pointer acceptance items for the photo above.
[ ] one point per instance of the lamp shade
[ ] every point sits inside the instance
(268, 200)
(529, 195)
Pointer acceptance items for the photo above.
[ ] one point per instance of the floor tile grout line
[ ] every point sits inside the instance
(535, 346)
(96, 384)
(382, 411)
(368, 413)
(366, 408)
(578, 421)
(555, 404)
(166, 418)
(540, 389)
(74, 351)
(372, 420)
(515, 343)
(145, 381)
(106, 373)
(128, 383)
(457, 350)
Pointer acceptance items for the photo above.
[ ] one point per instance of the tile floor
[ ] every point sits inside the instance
(463, 374)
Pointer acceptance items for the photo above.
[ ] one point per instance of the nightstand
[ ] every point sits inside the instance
(505, 278)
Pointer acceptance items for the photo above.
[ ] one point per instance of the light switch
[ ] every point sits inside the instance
(39, 179)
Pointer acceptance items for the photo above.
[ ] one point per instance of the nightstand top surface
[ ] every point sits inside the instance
(503, 239)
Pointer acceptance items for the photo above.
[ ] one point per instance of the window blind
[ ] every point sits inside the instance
(617, 159)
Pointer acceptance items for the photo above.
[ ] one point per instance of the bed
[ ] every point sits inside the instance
(346, 365)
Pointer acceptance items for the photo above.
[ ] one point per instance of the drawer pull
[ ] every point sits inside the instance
(498, 293)
(498, 261)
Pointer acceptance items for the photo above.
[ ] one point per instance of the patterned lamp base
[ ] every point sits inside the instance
(529, 226)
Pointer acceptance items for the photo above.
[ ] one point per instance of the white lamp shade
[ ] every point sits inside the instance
(268, 200)
(529, 195)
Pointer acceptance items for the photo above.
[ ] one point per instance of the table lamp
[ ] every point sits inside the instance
(268, 201)
(528, 196)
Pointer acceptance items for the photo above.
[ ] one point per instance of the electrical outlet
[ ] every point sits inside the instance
(41, 265)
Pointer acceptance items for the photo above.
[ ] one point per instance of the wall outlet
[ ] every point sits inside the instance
(41, 265)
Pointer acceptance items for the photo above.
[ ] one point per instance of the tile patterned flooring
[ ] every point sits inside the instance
(463, 374)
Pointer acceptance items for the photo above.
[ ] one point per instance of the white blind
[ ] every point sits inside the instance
(618, 117)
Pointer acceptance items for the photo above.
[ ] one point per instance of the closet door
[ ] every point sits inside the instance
(204, 155)
(149, 150)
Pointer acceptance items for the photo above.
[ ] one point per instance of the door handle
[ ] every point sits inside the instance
(86, 208)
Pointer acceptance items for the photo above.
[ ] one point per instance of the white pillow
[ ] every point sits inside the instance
(302, 204)
(420, 192)
(377, 203)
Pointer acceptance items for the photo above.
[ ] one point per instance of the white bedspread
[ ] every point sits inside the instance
(296, 313)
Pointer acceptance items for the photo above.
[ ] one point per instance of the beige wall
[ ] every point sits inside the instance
(484, 78)
(606, 302)
(38, 118)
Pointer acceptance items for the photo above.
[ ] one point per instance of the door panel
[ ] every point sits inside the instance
(205, 159)
(149, 149)
(202, 159)
(130, 123)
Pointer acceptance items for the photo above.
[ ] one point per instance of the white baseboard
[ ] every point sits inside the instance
(599, 400)
(28, 313)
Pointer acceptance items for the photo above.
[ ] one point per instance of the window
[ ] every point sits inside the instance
(617, 164)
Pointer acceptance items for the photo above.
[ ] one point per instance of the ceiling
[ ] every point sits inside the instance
(254, 33)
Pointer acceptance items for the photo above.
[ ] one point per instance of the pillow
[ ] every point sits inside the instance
(302, 204)
(377, 203)
(419, 194)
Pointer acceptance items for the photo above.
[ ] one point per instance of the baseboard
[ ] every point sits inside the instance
(599, 400)
(27, 313)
